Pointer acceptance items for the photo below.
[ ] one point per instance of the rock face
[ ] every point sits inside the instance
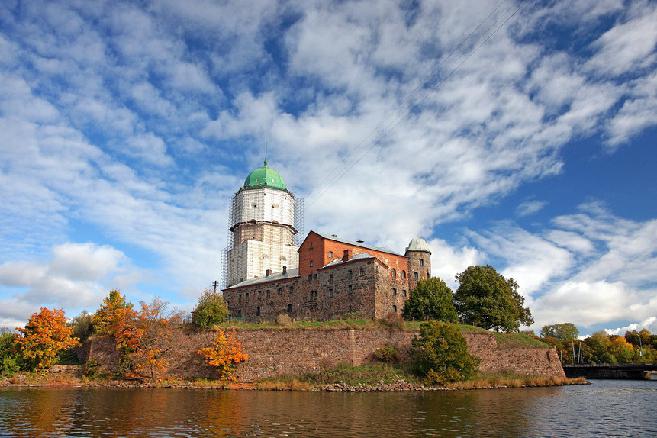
(276, 352)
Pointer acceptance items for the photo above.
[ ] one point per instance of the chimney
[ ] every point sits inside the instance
(360, 241)
(346, 255)
(284, 270)
(267, 272)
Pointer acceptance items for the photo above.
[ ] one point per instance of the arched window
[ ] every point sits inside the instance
(393, 273)
(394, 308)
(394, 292)
(403, 275)
(416, 276)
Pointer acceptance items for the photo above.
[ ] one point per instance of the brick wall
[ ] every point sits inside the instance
(275, 352)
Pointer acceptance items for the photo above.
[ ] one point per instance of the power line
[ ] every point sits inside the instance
(433, 81)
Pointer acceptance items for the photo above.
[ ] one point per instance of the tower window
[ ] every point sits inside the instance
(422, 263)
(393, 273)
(330, 254)
(351, 274)
(403, 275)
(428, 274)
(394, 291)
(416, 276)
(311, 263)
(394, 308)
(258, 311)
(289, 308)
(351, 289)
(362, 271)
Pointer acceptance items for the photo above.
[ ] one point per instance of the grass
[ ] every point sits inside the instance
(504, 340)
(367, 374)
(374, 374)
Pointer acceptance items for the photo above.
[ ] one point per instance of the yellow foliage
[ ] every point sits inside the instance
(224, 354)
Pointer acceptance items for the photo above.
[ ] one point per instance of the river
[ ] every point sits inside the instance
(605, 408)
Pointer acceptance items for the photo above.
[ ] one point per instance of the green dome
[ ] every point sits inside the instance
(264, 176)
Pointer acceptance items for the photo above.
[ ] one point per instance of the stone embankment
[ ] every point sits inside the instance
(279, 352)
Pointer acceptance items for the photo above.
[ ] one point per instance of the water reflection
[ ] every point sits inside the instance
(608, 407)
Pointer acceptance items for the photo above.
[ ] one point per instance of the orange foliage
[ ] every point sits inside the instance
(224, 354)
(44, 336)
(153, 326)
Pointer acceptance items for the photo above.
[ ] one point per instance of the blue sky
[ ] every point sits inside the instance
(516, 134)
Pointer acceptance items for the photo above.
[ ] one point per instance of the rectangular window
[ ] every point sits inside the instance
(289, 308)
(351, 289)
(330, 292)
(362, 271)
(267, 294)
(394, 291)
(330, 254)
(258, 311)
(351, 274)
(416, 275)
(422, 263)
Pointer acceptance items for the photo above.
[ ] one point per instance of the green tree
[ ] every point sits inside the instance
(486, 299)
(431, 299)
(564, 332)
(9, 355)
(599, 346)
(440, 354)
(82, 326)
(210, 310)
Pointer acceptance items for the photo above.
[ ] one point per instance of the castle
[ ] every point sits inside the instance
(324, 278)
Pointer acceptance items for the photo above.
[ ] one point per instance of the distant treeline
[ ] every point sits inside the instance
(600, 347)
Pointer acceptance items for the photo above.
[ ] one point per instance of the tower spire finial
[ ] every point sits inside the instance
(266, 145)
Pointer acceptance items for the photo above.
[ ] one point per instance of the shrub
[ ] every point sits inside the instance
(9, 357)
(224, 354)
(210, 310)
(284, 320)
(440, 354)
(388, 354)
(431, 299)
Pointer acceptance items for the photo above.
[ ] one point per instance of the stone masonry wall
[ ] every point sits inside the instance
(275, 352)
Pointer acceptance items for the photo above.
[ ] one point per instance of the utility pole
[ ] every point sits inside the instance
(214, 286)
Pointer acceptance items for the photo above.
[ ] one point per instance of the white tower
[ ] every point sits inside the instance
(262, 223)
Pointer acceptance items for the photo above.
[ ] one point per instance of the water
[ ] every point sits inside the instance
(606, 408)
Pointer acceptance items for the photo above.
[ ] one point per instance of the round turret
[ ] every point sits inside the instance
(418, 253)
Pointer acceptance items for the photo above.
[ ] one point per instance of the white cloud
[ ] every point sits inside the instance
(629, 45)
(528, 208)
(448, 261)
(77, 276)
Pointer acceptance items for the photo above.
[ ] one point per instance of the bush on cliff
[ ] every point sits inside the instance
(210, 310)
(486, 299)
(440, 354)
(431, 299)
(224, 354)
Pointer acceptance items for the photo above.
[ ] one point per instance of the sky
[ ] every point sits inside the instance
(516, 134)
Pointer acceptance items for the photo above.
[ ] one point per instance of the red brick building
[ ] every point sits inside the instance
(334, 278)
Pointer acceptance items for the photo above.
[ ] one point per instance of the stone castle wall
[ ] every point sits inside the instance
(276, 352)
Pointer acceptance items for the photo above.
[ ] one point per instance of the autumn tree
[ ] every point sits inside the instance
(43, 337)
(224, 354)
(154, 326)
(210, 310)
(431, 299)
(486, 299)
(112, 314)
(563, 332)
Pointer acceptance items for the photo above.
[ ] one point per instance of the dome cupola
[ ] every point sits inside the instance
(264, 176)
